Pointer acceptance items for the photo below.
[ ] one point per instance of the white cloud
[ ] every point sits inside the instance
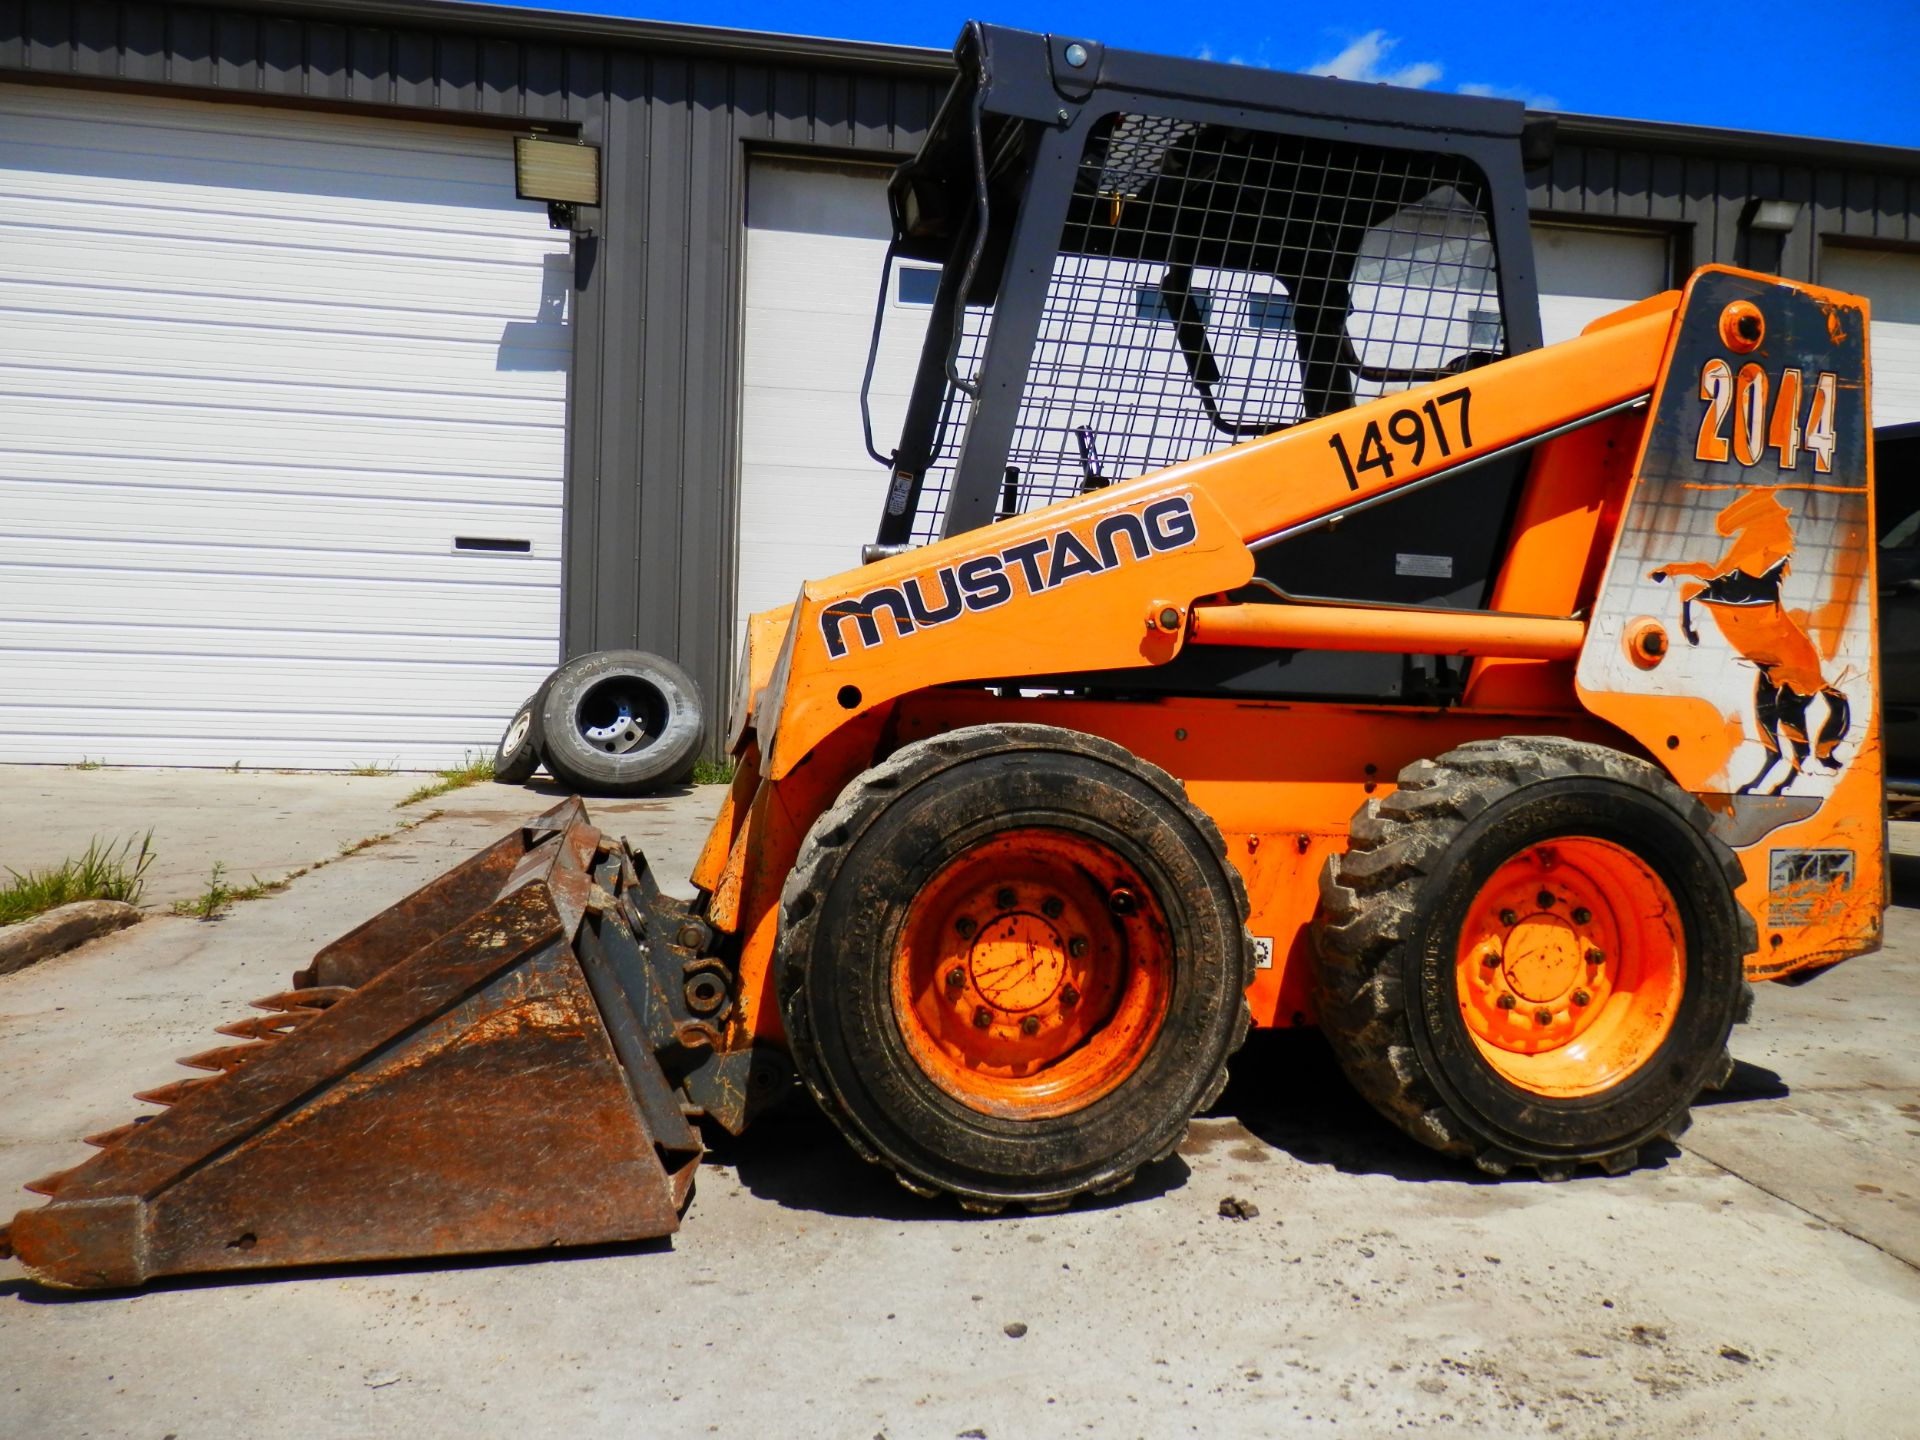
(1365, 59)
(1510, 92)
(1260, 58)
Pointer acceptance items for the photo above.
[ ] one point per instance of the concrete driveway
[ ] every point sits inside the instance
(1761, 1279)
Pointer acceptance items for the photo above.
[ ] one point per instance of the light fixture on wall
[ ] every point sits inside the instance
(564, 173)
(1773, 217)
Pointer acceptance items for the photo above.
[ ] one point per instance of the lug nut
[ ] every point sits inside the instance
(1004, 897)
(1069, 997)
(1582, 916)
(982, 1017)
(1051, 907)
(705, 994)
(965, 926)
(1121, 901)
(1507, 1002)
(956, 977)
(1491, 959)
(1580, 997)
(1544, 899)
(1509, 919)
(1543, 1017)
(1030, 1025)
(1596, 956)
(1077, 947)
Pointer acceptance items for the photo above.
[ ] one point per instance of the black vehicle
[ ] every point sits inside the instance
(1896, 459)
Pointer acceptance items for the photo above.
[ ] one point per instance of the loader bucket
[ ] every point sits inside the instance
(465, 1072)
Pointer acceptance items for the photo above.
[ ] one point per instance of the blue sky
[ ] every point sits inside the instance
(1846, 69)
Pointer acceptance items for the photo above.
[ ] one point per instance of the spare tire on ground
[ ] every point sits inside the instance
(620, 722)
(518, 754)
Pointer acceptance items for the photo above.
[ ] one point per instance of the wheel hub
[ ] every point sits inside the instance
(1570, 966)
(1017, 962)
(1022, 989)
(621, 715)
(617, 733)
(1030, 987)
(1542, 958)
(516, 733)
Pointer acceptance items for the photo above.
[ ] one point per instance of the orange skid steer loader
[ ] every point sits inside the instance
(1503, 710)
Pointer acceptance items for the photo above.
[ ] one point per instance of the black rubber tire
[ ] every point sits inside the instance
(668, 723)
(865, 859)
(1391, 912)
(517, 755)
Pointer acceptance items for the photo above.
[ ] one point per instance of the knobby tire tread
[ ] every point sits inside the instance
(858, 805)
(1370, 904)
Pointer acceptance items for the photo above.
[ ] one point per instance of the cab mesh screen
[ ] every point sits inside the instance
(1213, 284)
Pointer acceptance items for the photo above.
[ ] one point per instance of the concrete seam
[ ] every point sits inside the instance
(1826, 1220)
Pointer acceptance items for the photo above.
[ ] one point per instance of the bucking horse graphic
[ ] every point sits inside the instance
(1742, 592)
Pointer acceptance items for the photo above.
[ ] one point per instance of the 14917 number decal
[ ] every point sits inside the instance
(1409, 429)
(1755, 431)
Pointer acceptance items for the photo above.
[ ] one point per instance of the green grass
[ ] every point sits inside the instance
(212, 903)
(470, 771)
(372, 767)
(86, 764)
(712, 772)
(220, 896)
(105, 872)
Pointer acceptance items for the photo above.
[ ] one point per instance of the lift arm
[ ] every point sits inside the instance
(1110, 580)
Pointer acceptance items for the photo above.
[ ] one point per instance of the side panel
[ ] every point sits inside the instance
(1734, 633)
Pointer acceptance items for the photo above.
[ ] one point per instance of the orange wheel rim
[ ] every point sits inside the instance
(1032, 974)
(1571, 966)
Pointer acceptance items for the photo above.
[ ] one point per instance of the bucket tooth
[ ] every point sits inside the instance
(50, 1184)
(266, 1027)
(225, 1058)
(311, 997)
(176, 1091)
(108, 1138)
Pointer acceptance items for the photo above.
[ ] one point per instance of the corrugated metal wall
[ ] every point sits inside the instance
(1704, 197)
(652, 507)
(653, 420)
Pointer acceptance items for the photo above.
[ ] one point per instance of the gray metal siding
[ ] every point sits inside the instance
(652, 426)
(651, 501)
(1703, 198)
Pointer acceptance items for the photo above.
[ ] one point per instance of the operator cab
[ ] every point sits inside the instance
(1143, 260)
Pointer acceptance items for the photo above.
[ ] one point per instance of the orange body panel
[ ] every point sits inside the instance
(937, 638)
(1716, 539)
(1565, 519)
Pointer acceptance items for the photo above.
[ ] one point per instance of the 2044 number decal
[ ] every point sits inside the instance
(1410, 430)
(1743, 396)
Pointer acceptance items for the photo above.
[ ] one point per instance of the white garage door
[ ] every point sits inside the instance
(810, 495)
(1586, 273)
(281, 428)
(1890, 280)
